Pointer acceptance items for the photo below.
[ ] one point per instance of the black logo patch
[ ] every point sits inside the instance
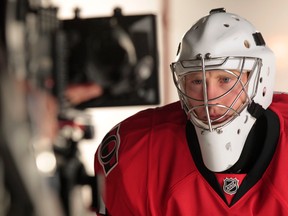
(231, 185)
(108, 152)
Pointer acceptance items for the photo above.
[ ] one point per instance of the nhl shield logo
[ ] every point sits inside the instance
(230, 185)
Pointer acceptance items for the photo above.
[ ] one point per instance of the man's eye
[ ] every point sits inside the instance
(197, 82)
(225, 79)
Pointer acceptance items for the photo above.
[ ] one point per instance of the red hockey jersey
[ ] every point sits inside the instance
(146, 165)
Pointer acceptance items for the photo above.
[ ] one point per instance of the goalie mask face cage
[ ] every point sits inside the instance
(231, 77)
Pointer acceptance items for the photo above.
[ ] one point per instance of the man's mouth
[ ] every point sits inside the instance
(216, 119)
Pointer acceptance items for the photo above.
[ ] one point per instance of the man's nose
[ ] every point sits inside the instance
(212, 91)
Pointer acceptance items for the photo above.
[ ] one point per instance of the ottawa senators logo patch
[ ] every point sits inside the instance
(231, 185)
(108, 150)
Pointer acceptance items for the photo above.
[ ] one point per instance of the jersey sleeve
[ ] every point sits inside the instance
(121, 167)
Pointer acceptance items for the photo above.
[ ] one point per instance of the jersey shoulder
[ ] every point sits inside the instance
(280, 103)
(133, 135)
(280, 107)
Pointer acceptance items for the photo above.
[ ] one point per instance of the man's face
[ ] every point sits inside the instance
(222, 88)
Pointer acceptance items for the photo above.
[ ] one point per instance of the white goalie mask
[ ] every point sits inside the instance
(224, 74)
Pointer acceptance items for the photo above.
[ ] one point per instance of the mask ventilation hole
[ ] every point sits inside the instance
(246, 119)
(247, 44)
(264, 92)
(238, 131)
(261, 80)
(226, 25)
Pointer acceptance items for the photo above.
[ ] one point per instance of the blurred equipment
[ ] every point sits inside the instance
(70, 172)
(117, 53)
(23, 191)
(50, 70)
